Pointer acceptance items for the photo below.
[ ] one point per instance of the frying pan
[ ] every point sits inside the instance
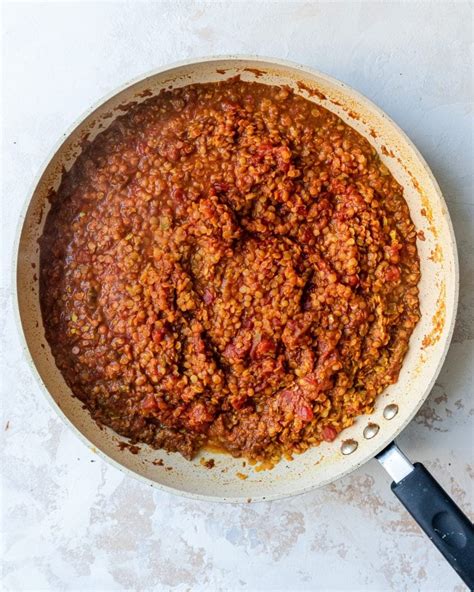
(371, 435)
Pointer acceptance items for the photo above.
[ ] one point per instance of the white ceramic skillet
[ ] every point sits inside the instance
(394, 408)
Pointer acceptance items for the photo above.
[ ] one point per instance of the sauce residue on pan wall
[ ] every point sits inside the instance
(438, 319)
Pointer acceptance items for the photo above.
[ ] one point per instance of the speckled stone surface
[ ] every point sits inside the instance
(71, 522)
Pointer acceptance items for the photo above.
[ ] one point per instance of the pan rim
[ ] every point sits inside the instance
(449, 322)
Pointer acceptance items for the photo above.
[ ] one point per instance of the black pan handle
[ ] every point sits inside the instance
(433, 509)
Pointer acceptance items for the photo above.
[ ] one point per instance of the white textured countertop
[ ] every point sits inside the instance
(71, 522)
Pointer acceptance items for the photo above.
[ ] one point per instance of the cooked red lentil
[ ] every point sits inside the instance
(229, 264)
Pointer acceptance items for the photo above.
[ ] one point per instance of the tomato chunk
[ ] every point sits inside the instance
(149, 402)
(392, 273)
(329, 433)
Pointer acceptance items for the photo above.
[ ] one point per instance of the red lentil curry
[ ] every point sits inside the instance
(229, 264)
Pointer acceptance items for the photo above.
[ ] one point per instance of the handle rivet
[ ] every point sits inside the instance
(371, 430)
(349, 446)
(390, 411)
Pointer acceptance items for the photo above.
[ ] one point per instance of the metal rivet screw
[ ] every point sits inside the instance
(390, 411)
(371, 430)
(349, 446)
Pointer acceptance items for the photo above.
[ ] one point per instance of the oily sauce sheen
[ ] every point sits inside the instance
(229, 264)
